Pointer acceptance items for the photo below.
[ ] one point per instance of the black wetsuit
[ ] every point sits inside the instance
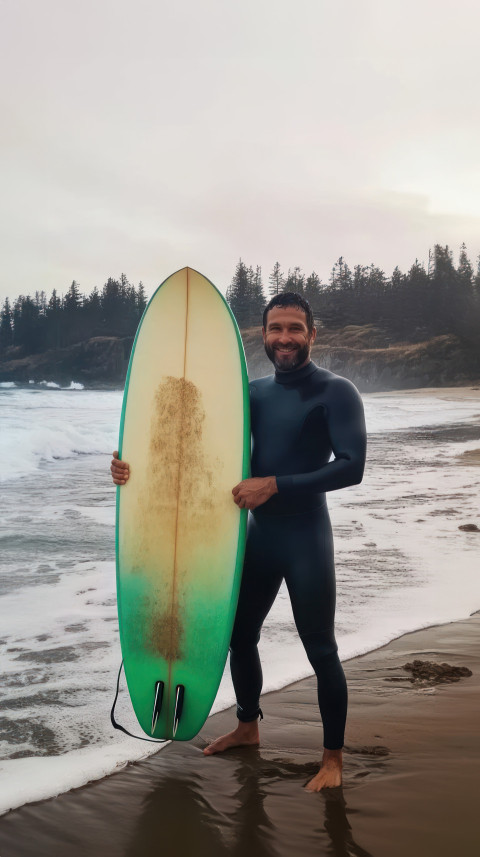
(298, 419)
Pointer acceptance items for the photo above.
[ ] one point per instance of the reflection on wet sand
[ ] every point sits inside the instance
(237, 805)
(338, 826)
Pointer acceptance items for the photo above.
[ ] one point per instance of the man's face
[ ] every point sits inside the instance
(287, 339)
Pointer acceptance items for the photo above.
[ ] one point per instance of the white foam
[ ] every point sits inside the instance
(37, 778)
(41, 426)
(74, 385)
(393, 412)
(104, 515)
(7, 385)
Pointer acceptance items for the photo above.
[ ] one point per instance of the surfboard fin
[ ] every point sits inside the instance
(179, 695)
(157, 705)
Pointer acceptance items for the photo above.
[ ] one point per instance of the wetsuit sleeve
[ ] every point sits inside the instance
(346, 427)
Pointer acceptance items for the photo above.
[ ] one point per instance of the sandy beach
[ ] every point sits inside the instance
(411, 776)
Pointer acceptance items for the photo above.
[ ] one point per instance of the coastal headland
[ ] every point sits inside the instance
(364, 354)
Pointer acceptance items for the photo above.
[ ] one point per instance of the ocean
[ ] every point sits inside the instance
(402, 564)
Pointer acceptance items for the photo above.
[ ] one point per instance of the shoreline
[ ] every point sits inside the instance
(450, 391)
(457, 392)
(410, 756)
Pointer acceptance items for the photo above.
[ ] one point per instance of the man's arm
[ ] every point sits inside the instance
(346, 427)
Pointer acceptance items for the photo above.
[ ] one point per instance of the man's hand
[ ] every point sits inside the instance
(120, 470)
(253, 492)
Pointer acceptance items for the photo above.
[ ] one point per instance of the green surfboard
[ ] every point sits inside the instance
(180, 538)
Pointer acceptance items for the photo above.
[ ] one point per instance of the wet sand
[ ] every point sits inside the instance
(411, 776)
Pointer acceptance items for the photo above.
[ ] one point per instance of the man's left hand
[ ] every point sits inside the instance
(253, 492)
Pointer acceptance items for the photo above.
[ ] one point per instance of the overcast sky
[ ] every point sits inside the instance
(144, 136)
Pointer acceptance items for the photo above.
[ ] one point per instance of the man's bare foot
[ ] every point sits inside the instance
(245, 735)
(330, 774)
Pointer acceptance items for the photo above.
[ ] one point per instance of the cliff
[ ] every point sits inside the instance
(100, 362)
(363, 354)
(367, 357)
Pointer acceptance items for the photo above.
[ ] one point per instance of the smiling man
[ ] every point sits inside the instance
(300, 416)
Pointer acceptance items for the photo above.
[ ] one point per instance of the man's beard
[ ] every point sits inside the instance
(288, 362)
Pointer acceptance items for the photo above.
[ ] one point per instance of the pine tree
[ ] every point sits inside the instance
(27, 330)
(92, 313)
(257, 298)
(130, 314)
(418, 305)
(276, 280)
(112, 307)
(6, 326)
(245, 295)
(54, 321)
(73, 299)
(476, 282)
(341, 276)
(124, 284)
(465, 272)
(340, 305)
(445, 290)
(360, 278)
(94, 302)
(397, 279)
(312, 288)
(141, 299)
(295, 281)
(72, 321)
(238, 294)
(393, 299)
(465, 321)
(40, 302)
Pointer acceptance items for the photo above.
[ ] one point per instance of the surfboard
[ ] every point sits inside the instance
(180, 538)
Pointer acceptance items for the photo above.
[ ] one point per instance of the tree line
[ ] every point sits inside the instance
(37, 324)
(440, 298)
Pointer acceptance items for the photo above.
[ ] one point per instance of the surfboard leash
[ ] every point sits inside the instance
(122, 728)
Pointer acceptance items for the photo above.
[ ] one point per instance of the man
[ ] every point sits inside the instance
(300, 416)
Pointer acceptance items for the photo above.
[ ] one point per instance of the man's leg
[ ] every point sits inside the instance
(261, 581)
(311, 584)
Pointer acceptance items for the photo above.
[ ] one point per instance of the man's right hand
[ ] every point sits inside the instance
(120, 470)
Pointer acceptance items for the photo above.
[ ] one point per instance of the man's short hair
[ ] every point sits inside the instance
(286, 299)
